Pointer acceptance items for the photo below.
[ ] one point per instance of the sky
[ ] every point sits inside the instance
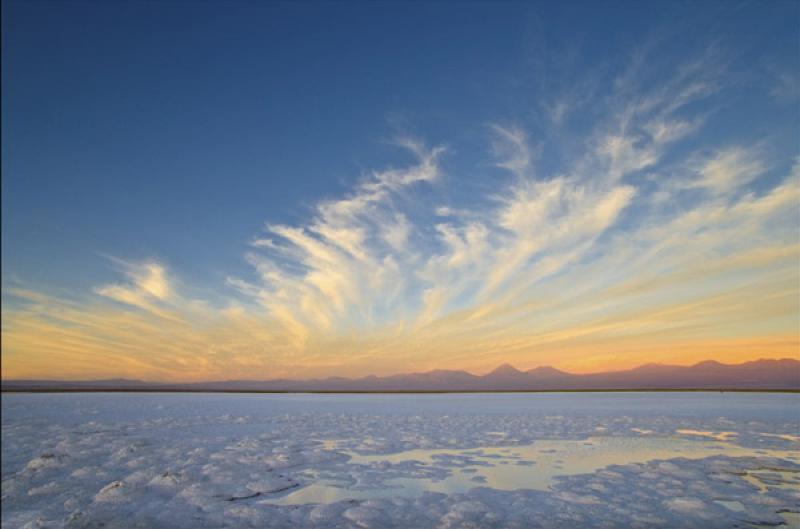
(252, 190)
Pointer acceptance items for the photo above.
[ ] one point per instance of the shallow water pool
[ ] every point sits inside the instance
(531, 466)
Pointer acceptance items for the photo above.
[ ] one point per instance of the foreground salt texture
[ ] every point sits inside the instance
(193, 460)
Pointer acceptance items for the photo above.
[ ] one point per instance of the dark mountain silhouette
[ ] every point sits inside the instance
(505, 370)
(760, 374)
(547, 372)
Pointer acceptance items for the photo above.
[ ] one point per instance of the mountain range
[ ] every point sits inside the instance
(783, 374)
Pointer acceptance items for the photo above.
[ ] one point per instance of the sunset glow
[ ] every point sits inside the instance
(648, 213)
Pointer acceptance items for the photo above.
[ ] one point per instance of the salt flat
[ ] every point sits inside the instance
(453, 460)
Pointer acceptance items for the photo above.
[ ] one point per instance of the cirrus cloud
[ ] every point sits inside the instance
(650, 243)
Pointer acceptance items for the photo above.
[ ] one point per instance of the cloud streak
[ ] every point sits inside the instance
(643, 246)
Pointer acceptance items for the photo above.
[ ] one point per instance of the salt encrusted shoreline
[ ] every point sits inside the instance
(85, 461)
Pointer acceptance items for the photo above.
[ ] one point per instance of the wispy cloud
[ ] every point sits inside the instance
(730, 169)
(641, 243)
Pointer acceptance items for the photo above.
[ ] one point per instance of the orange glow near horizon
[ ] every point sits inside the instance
(58, 339)
(612, 263)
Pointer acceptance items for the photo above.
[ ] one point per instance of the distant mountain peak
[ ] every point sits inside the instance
(546, 371)
(766, 374)
(709, 363)
(505, 370)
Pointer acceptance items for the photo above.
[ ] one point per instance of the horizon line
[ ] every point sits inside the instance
(409, 373)
(404, 392)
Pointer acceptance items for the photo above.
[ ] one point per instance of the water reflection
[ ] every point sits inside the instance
(532, 466)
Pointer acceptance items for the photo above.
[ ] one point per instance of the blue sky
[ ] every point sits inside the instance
(170, 134)
(176, 129)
